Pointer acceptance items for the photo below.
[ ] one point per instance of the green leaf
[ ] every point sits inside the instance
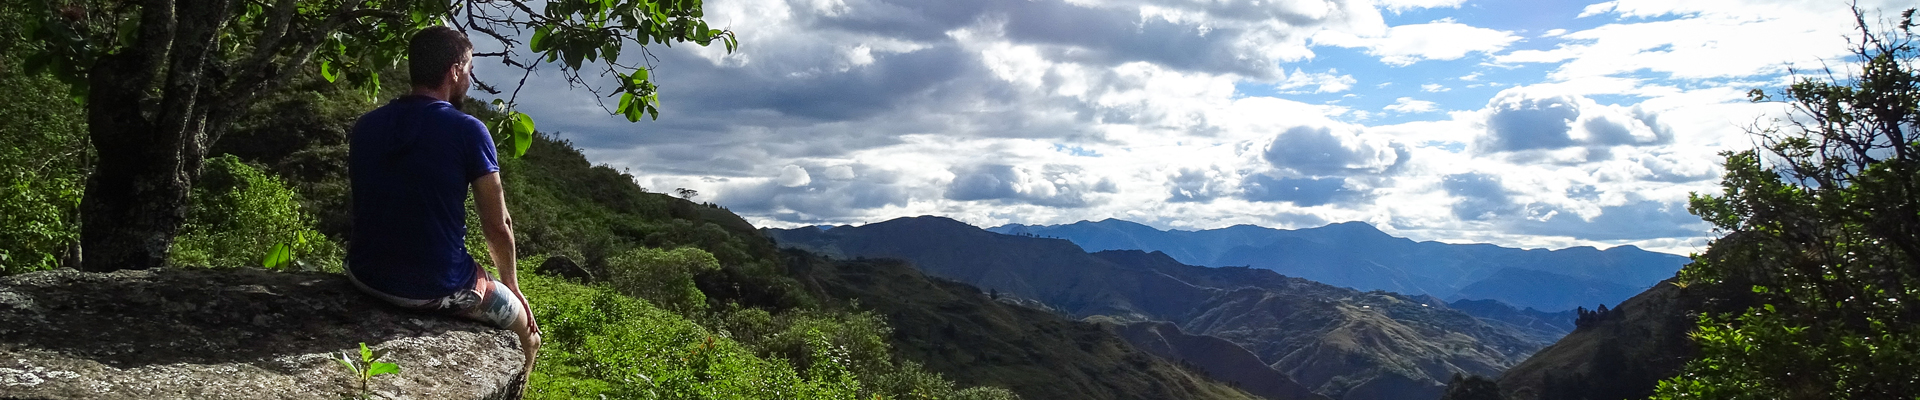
(129, 31)
(345, 362)
(326, 71)
(380, 368)
(522, 133)
(611, 52)
(574, 58)
(38, 62)
(539, 41)
(633, 107)
(277, 257)
(365, 353)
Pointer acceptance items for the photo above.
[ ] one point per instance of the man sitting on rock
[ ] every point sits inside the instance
(410, 163)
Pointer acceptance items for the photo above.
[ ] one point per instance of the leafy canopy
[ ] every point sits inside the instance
(1821, 224)
(260, 45)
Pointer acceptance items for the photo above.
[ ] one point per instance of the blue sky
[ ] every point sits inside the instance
(1520, 123)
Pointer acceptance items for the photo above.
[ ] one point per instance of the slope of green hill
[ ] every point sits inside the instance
(1220, 358)
(958, 331)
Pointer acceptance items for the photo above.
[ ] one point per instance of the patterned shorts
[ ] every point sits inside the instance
(488, 301)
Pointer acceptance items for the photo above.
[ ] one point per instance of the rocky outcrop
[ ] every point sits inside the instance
(233, 334)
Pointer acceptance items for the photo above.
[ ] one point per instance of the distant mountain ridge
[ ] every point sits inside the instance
(1356, 255)
(961, 333)
(1339, 342)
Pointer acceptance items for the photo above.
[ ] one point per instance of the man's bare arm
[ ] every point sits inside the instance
(491, 199)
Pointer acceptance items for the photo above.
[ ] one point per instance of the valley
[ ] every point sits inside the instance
(1338, 342)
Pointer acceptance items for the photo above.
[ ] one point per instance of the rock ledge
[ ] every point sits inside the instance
(233, 334)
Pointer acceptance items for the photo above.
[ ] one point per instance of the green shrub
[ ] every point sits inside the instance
(664, 277)
(863, 336)
(37, 221)
(43, 157)
(601, 343)
(984, 393)
(237, 213)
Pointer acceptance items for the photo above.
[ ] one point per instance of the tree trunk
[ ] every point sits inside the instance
(150, 145)
(134, 204)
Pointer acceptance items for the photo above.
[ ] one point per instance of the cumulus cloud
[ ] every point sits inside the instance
(1322, 82)
(793, 175)
(1304, 192)
(815, 201)
(1634, 220)
(1399, 6)
(840, 172)
(1195, 185)
(1480, 196)
(1054, 185)
(1715, 40)
(1322, 151)
(1407, 105)
(1407, 44)
(1526, 118)
(1053, 111)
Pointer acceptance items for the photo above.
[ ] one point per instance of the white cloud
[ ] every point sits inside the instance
(840, 172)
(1408, 105)
(1322, 82)
(1398, 6)
(1407, 44)
(1711, 39)
(1048, 111)
(793, 175)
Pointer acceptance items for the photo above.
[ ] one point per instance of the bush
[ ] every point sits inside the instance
(238, 213)
(664, 277)
(42, 157)
(601, 343)
(790, 335)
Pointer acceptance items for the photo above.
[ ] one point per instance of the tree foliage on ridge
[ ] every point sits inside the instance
(1823, 224)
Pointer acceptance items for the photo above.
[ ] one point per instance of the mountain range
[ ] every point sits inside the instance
(1338, 342)
(1359, 256)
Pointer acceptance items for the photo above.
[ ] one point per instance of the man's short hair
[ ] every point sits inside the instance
(432, 52)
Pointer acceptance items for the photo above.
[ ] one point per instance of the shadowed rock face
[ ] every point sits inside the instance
(233, 334)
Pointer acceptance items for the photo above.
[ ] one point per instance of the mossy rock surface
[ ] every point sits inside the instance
(233, 334)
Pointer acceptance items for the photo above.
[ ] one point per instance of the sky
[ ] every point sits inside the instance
(1523, 123)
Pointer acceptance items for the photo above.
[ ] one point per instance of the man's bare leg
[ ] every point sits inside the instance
(529, 340)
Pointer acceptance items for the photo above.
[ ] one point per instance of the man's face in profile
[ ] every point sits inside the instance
(461, 81)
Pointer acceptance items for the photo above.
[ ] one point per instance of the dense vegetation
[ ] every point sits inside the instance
(1823, 225)
(42, 158)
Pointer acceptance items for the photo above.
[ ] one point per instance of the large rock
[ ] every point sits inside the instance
(233, 334)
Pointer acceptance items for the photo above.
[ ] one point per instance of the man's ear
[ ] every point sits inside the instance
(453, 75)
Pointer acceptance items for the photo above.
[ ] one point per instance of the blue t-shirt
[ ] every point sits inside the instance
(410, 163)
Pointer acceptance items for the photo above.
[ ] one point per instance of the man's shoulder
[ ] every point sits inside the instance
(448, 117)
